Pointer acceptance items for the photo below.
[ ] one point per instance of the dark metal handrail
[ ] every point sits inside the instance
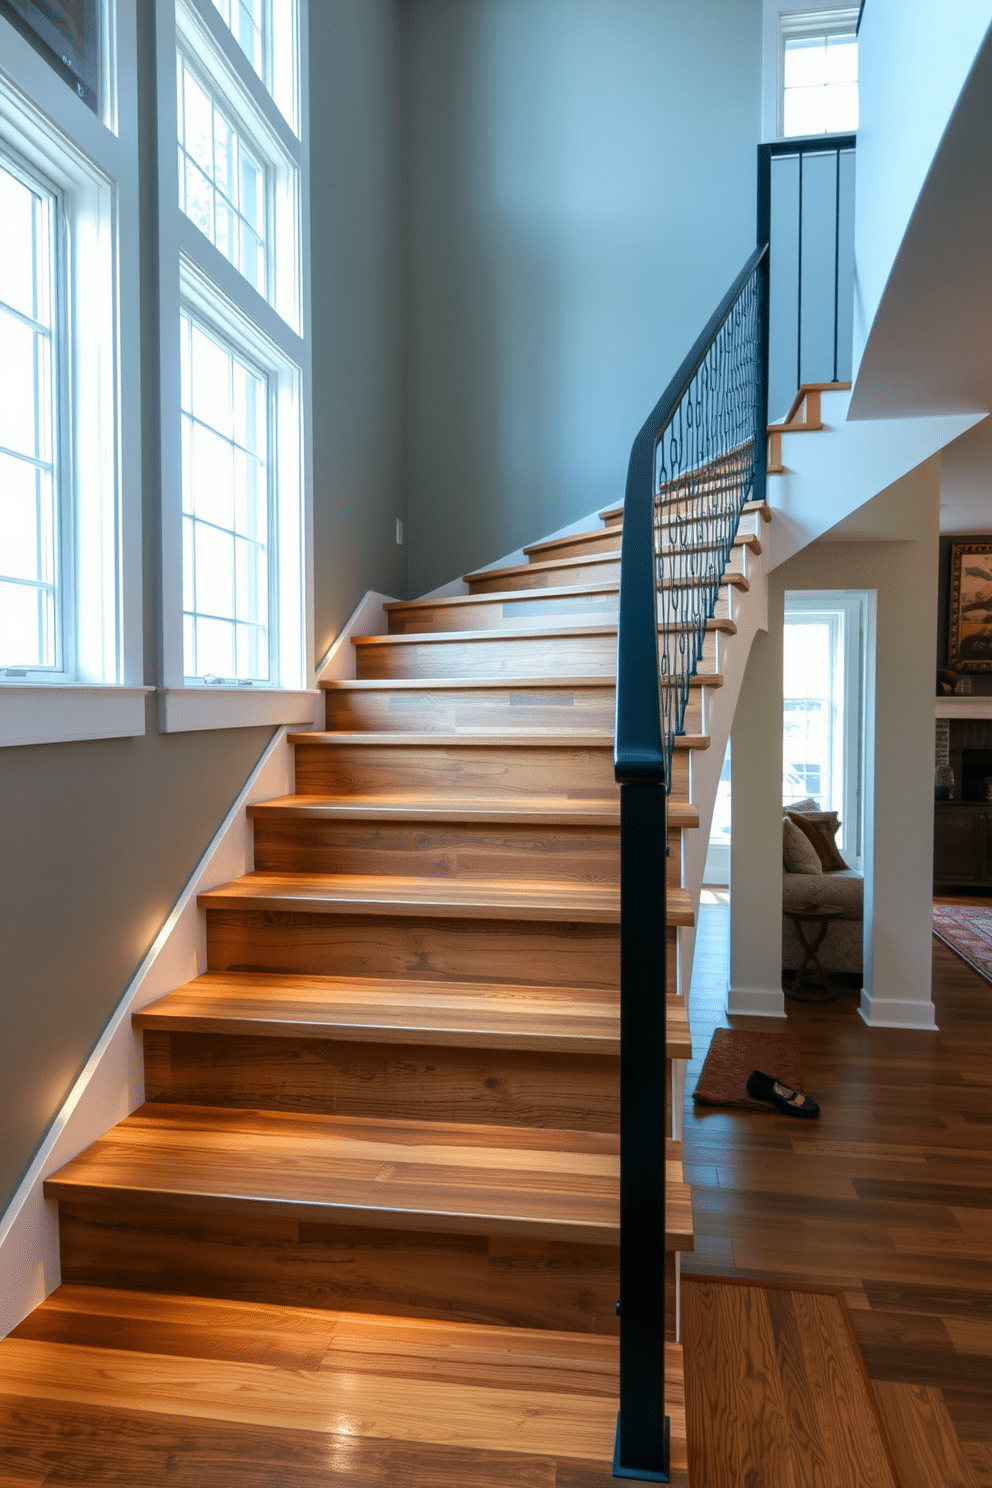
(697, 458)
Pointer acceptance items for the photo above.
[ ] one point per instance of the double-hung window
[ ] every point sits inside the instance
(31, 584)
(818, 69)
(825, 705)
(235, 363)
(70, 490)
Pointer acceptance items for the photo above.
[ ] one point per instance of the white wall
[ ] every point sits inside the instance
(902, 574)
(914, 58)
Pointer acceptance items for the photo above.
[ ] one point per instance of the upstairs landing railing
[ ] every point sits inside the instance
(698, 458)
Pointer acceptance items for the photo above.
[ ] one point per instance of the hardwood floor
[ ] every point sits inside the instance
(776, 1391)
(887, 1197)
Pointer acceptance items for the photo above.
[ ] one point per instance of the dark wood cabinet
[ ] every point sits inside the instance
(962, 845)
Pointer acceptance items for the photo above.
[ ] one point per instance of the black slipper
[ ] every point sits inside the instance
(776, 1093)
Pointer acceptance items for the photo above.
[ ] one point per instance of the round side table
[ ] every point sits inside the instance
(811, 983)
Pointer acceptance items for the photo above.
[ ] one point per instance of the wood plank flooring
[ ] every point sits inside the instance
(776, 1391)
(887, 1197)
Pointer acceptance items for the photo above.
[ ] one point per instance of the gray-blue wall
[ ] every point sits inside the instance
(98, 839)
(580, 187)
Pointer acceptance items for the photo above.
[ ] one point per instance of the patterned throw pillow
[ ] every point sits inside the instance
(799, 855)
(820, 828)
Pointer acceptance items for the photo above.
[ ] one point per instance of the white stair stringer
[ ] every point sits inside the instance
(749, 612)
(832, 473)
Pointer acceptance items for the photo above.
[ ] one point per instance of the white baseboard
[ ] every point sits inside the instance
(111, 1085)
(892, 1012)
(756, 1002)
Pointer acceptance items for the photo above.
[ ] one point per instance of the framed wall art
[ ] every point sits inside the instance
(969, 631)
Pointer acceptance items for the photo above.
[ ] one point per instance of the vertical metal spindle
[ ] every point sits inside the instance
(836, 256)
(799, 284)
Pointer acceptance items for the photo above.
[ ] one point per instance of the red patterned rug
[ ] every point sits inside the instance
(731, 1058)
(967, 929)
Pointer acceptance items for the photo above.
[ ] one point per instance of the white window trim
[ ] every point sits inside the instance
(258, 121)
(774, 13)
(850, 749)
(97, 166)
(193, 271)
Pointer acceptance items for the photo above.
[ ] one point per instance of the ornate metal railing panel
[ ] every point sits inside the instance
(698, 458)
(705, 472)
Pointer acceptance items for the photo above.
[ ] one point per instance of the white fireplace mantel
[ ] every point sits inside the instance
(964, 707)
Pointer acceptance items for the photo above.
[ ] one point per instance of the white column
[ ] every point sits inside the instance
(756, 828)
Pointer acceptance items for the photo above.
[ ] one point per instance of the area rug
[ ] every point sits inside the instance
(731, 1058)
(967, 929)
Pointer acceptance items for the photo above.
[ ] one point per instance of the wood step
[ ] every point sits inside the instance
(474, 899)
(440, 948)
(550, 573)
(762, 509)
(571, 768)
(356, 941)
(598, 540)
(539, 843)
(452, 766)
(472, 706)
(439, 849)
(747, 540)
(489, 1056)
(208, 1392)
(728, 580)
(466, 1222)
(534, 1018)
(452, 1178)
(496, 611)
(749, 519)
(449, 705)
(579, 651)
(464, 1068)
(401, 1081)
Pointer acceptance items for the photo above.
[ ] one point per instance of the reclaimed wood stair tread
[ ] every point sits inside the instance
(573, 1020)
(520, 633)
(727, 580)
(503, 596)
(508, 738)
(468, 684)
(742, 540)
(536, 632)
(540, 811)
(495, 684)
(573, 540)
(372, 1172)
(248, 1384)
(547, 565)
(449, 898)
(761, 507)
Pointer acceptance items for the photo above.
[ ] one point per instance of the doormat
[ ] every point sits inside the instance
(731, 1058)
(967, 929)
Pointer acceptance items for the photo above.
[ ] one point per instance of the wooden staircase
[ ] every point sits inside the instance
(394, 1090)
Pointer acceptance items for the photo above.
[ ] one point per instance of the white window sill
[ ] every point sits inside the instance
(183, 709)
(46, 713)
